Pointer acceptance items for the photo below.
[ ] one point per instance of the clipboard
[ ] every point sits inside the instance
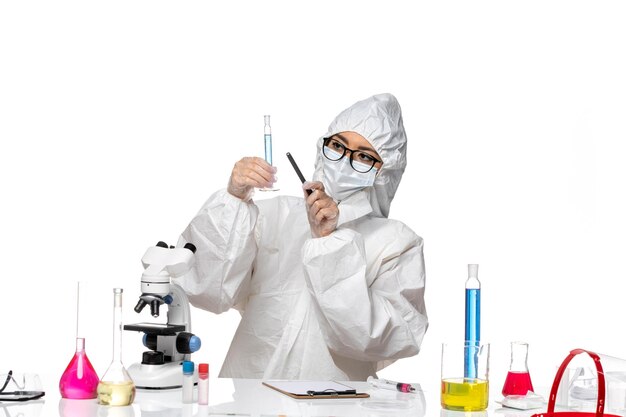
(308, 390)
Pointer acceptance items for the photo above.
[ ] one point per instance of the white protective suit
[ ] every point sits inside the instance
(337, 307)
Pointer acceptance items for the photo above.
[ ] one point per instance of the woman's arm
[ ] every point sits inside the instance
(385, 319)
(223, 233)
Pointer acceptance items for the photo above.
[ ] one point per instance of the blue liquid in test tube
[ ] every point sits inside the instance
(268, 149)
(268, 140)
(472, 322)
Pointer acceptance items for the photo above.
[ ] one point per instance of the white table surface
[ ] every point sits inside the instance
(248, 397)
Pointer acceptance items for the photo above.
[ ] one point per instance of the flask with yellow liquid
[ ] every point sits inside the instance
(116, 387)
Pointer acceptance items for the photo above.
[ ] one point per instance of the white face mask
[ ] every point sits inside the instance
(342, 180)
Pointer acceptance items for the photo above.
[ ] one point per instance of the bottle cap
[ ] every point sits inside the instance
(472, 270)
(188, 367)
(203, 368)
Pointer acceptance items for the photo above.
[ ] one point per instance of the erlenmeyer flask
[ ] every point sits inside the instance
(518, 379)
(116, 387)
(80, 380)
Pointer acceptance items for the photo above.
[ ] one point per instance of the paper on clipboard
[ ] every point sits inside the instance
(315, 389)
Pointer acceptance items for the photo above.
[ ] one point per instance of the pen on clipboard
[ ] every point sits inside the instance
(331, 392)
(295, 167)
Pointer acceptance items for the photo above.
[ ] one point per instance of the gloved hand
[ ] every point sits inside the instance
(322, 210)
(250, 172)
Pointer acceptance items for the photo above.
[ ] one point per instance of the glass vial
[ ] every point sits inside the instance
(188, 369)
(116, 386)
(518, 379)
(203, 384)
(80, 380)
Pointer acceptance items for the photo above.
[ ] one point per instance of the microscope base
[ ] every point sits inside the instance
(166, 376)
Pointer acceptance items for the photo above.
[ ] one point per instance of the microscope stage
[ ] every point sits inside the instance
(156, 328)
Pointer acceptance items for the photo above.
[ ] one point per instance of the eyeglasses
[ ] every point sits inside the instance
(360, 161)
(22, 394)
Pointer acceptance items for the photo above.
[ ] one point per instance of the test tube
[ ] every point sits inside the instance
(267, 142)
(267, 137)
(472, 321)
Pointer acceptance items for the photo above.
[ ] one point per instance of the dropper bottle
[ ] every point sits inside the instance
(472, 321)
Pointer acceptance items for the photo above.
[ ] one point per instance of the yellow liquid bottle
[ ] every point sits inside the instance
(116, 386)
(464, 394)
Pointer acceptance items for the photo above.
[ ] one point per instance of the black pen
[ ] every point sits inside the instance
(295, 167)
(332, 392)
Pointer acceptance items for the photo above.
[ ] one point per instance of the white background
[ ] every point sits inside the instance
(119, 119)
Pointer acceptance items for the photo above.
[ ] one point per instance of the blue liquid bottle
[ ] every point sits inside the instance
(472, 321)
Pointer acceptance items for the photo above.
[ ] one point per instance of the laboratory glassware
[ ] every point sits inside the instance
(459, 393)
(267, 138)
(203, 384)
(79, 380)
(472, 320)
(116, 386)
(267, 142)
(518, 380)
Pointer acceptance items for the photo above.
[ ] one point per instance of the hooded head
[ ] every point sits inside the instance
(379, 120)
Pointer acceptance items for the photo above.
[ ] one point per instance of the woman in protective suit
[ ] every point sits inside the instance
(328, 287)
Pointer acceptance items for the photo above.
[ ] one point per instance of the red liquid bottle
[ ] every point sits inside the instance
(518, 379)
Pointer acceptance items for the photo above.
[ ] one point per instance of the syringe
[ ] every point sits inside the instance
(392, 385)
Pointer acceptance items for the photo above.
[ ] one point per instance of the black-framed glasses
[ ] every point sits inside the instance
(360, 161)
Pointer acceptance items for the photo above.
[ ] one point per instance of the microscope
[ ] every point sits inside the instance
(172, 343)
